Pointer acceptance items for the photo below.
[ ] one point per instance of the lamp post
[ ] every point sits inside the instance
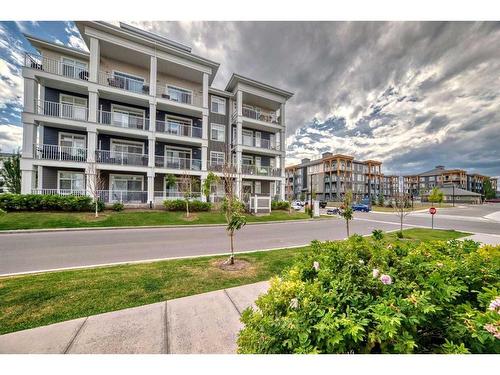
(311, 196)
(453, 196)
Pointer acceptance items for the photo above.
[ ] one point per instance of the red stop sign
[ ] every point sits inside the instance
(432, 210)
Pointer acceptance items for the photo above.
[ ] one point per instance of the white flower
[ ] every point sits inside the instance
(294, 303)
(375, 272)
(361, 261)
(316, 266)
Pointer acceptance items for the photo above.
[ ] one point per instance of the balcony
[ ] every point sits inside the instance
(78, 193)
(61, 110)
(178, 163)
(124, 83)
(179, 95)
(122, 196)
(67, 69)
(121, 158)
(171, 195)
(61, 153)
(259, 143)
(260, 114)
(123, 120)
(260, 170)
(179, 128)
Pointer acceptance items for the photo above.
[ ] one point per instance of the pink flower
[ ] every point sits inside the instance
(375, 273)
(495, 305)
(386, 279)
(316, 266)
(294, 303)
(493, 330)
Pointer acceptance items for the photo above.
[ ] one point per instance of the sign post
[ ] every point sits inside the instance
(432, 211)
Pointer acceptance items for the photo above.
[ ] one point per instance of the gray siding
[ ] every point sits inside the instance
(51, 135)
(160, 149)
(104, 141)
(49, 176)
(53, 95)
(218, 118)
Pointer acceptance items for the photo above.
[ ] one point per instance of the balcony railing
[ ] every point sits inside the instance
(62, 110)
(179, 96)
(66, 69)
(179, 128)
(123, 196)
(75, 192)
(260, 170)
(123, 120)
(121, 158)
(170, 195)
(56, 152)
(261, 115)
(124, 83)
(259, 143)
(178, 163)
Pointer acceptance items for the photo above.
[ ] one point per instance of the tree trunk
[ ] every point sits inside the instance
(347, 224)
(401, 224)
(187, 208)
(96, 209)
(231, 258)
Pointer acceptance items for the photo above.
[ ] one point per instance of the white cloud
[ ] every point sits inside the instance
(11, 137)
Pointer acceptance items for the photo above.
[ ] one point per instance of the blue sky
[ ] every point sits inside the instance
(412, 94)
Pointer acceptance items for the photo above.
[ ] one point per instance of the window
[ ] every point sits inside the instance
(126, 188)
(73, 107)
(246, 160)
(217, 158)
(178, 94)
(247, 137)
(69, 182)
(74, 68)
(128, 82)
(178, 126)
(218, 105)
(218, 132)
(258, 188)
(128, 117)
(179, 158)
(127, 147)
(71, 140)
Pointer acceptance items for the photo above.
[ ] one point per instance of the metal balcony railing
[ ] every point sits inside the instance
(121, 158)
(259, 114)
(63, 68)
(76, 192)
(259, 143)
(178, 163)
(169, 195)
(62, 110)
(260, 170)
(63, 153)
(124, 83)
(123, 120)
(122, 196)
(179, 95)
(179, 128)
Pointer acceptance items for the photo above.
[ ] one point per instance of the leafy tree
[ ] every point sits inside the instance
(489, 193)
(206, 187)
(11, 172)
(346, 209)
(187, 184)
(436, 195)
(170, 181)
(381, 200)
(402, 208)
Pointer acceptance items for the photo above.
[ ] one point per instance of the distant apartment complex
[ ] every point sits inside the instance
(330, 177)
(418, 184)
(138, 108)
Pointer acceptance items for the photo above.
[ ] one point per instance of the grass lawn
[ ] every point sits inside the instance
(35, 300)
(424, 234)
(39, 220)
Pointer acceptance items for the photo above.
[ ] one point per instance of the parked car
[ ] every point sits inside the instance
(298, 203)
(360, 207)
(322, 204)
(333, 211)
(296, 206)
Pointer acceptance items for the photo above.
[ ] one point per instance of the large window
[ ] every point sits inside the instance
(217, 158)
(126, 188)
(218, 105)
(73, 107)
(128, 117)
(128, 82)
(70, 182)
(129, 147)
(71, 140)
(180, 95)
(74, 68)
(218, 132)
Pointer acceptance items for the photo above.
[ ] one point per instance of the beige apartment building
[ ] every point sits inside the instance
(139, 107)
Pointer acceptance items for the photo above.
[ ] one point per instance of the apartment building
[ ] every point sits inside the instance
(419, 184)
(331, 176)
(137, 108)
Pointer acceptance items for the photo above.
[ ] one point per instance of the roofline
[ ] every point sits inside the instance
(213, 90)
(265, 86)
(34, 41)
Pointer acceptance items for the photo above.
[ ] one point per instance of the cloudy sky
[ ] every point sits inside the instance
(411, 94)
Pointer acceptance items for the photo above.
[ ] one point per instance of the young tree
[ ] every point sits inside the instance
(402, 207)
(489, 193)
(289, 196)
(95, 184)
(346, 209)
(211, 179)
(11, 173)
(170, 181)
(186, 184)
(436, 195)
(381, 200)
(233, 207)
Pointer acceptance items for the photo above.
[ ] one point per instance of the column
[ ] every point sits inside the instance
(204, 158)
(39, 181)
(151, 151)
(91, 181)
(239, 120)
(93, 105)
(152, 117)
(282, 114)
(204, 124)
(30, 95)
(205, 90)
(95, 58)
(91, 144)
(29, 139)
(151, 187)
(26, 181)
(202, 181)
(152, 75)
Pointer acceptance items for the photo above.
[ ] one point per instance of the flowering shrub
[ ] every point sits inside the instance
(364, 296)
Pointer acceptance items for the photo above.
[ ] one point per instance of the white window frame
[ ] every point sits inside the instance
(222, 129)
(73, 135)
(115, 141)
(73, 97)
(72, 172)
(167, 85)
(221, 101)
(130, 110)
(167, 148)
(113, 175)
(247, 157)
(219, 153)
(172, 117)
(258, 187)
(74, 64)
(129, 75)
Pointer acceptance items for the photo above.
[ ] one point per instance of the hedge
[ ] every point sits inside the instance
(366, 296)
(180, 205)
(39, 202)
(280, 205)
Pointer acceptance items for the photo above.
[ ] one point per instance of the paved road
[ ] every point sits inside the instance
(30, 252)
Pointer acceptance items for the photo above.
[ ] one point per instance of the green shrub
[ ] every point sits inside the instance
(39, 202)
(360, 296)
(239, 205)
(280, 205)
(399, 234)
(377, 234)
(117, 206)
(180, 205)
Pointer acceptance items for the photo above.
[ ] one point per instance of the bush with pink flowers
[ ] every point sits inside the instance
(364, 296)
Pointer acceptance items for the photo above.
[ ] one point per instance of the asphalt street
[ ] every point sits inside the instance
(32, 252)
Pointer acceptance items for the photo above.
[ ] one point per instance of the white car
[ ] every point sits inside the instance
(296, 206)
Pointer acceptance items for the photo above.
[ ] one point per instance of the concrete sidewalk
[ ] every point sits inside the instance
(204, 323)
(487, 239)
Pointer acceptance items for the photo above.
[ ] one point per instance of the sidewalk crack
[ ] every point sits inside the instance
(75, 336)
(232, 302)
